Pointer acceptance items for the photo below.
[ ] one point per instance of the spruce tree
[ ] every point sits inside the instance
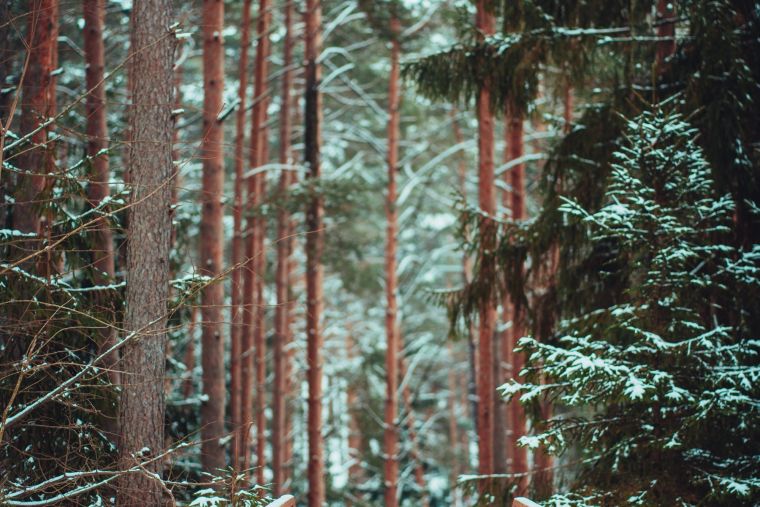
(662, 384)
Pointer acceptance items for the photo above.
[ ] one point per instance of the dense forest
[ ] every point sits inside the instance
(391, 252)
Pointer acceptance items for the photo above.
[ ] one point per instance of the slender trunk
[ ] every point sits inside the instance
(97, 143)
(251, 290)
(314, 247)
(236, 317)
(36, 104)
(486, 25)
(261, 102)
(212, 238)
(150, 164)
(391, 326)
(282, 280)
(517, 183)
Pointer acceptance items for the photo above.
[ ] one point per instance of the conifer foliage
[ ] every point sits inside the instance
(660, 376)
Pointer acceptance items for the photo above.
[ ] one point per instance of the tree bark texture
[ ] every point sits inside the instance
(38, 96)
(282, 278)
(314, 247)
(150, 164)
(238, 250)
(212, 239)
(517, 183)
(97, 143)
(390, 437)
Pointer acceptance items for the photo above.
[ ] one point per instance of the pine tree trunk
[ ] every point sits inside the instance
(97, 143)
(212, 238)
(282, 281)
(254, 239)
(150, 164)
(517, 180)
(236, 317)
(314, 247)
(261, 102)
(486, 25)
(391, 325)
(37, 100)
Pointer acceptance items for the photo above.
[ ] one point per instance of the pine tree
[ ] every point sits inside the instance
(238, 246)
(314, 249)
(150, 164)
(282, 276)
(212, 238)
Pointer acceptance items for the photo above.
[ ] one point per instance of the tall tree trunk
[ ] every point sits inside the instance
(253, 244)
(97, 143)
(517, 180)
(282, 280)
(236, 317)
(314, 247)
(212, 238)
(36, 104)
(485, 23)
(150, 164)
(261, 103)
(391, 325)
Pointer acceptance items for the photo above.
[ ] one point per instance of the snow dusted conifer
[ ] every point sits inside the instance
(662, 384)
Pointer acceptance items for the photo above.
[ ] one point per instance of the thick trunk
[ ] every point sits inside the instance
(517, 183)
(97, 143)
(314, 247)
(212, 238)
(150, 164)
(391, 326)
(236, 317)
(282, 279)
(37, 101)
(486, 25)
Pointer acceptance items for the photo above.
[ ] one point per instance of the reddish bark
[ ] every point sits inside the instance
(236, 318)
(485, 23)
(282, 280)
(254, 239)
(212, 238)
(37, 101)
(97, 143)
(148, 243)
(515, 146)
(314, 248)
(391, 326)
